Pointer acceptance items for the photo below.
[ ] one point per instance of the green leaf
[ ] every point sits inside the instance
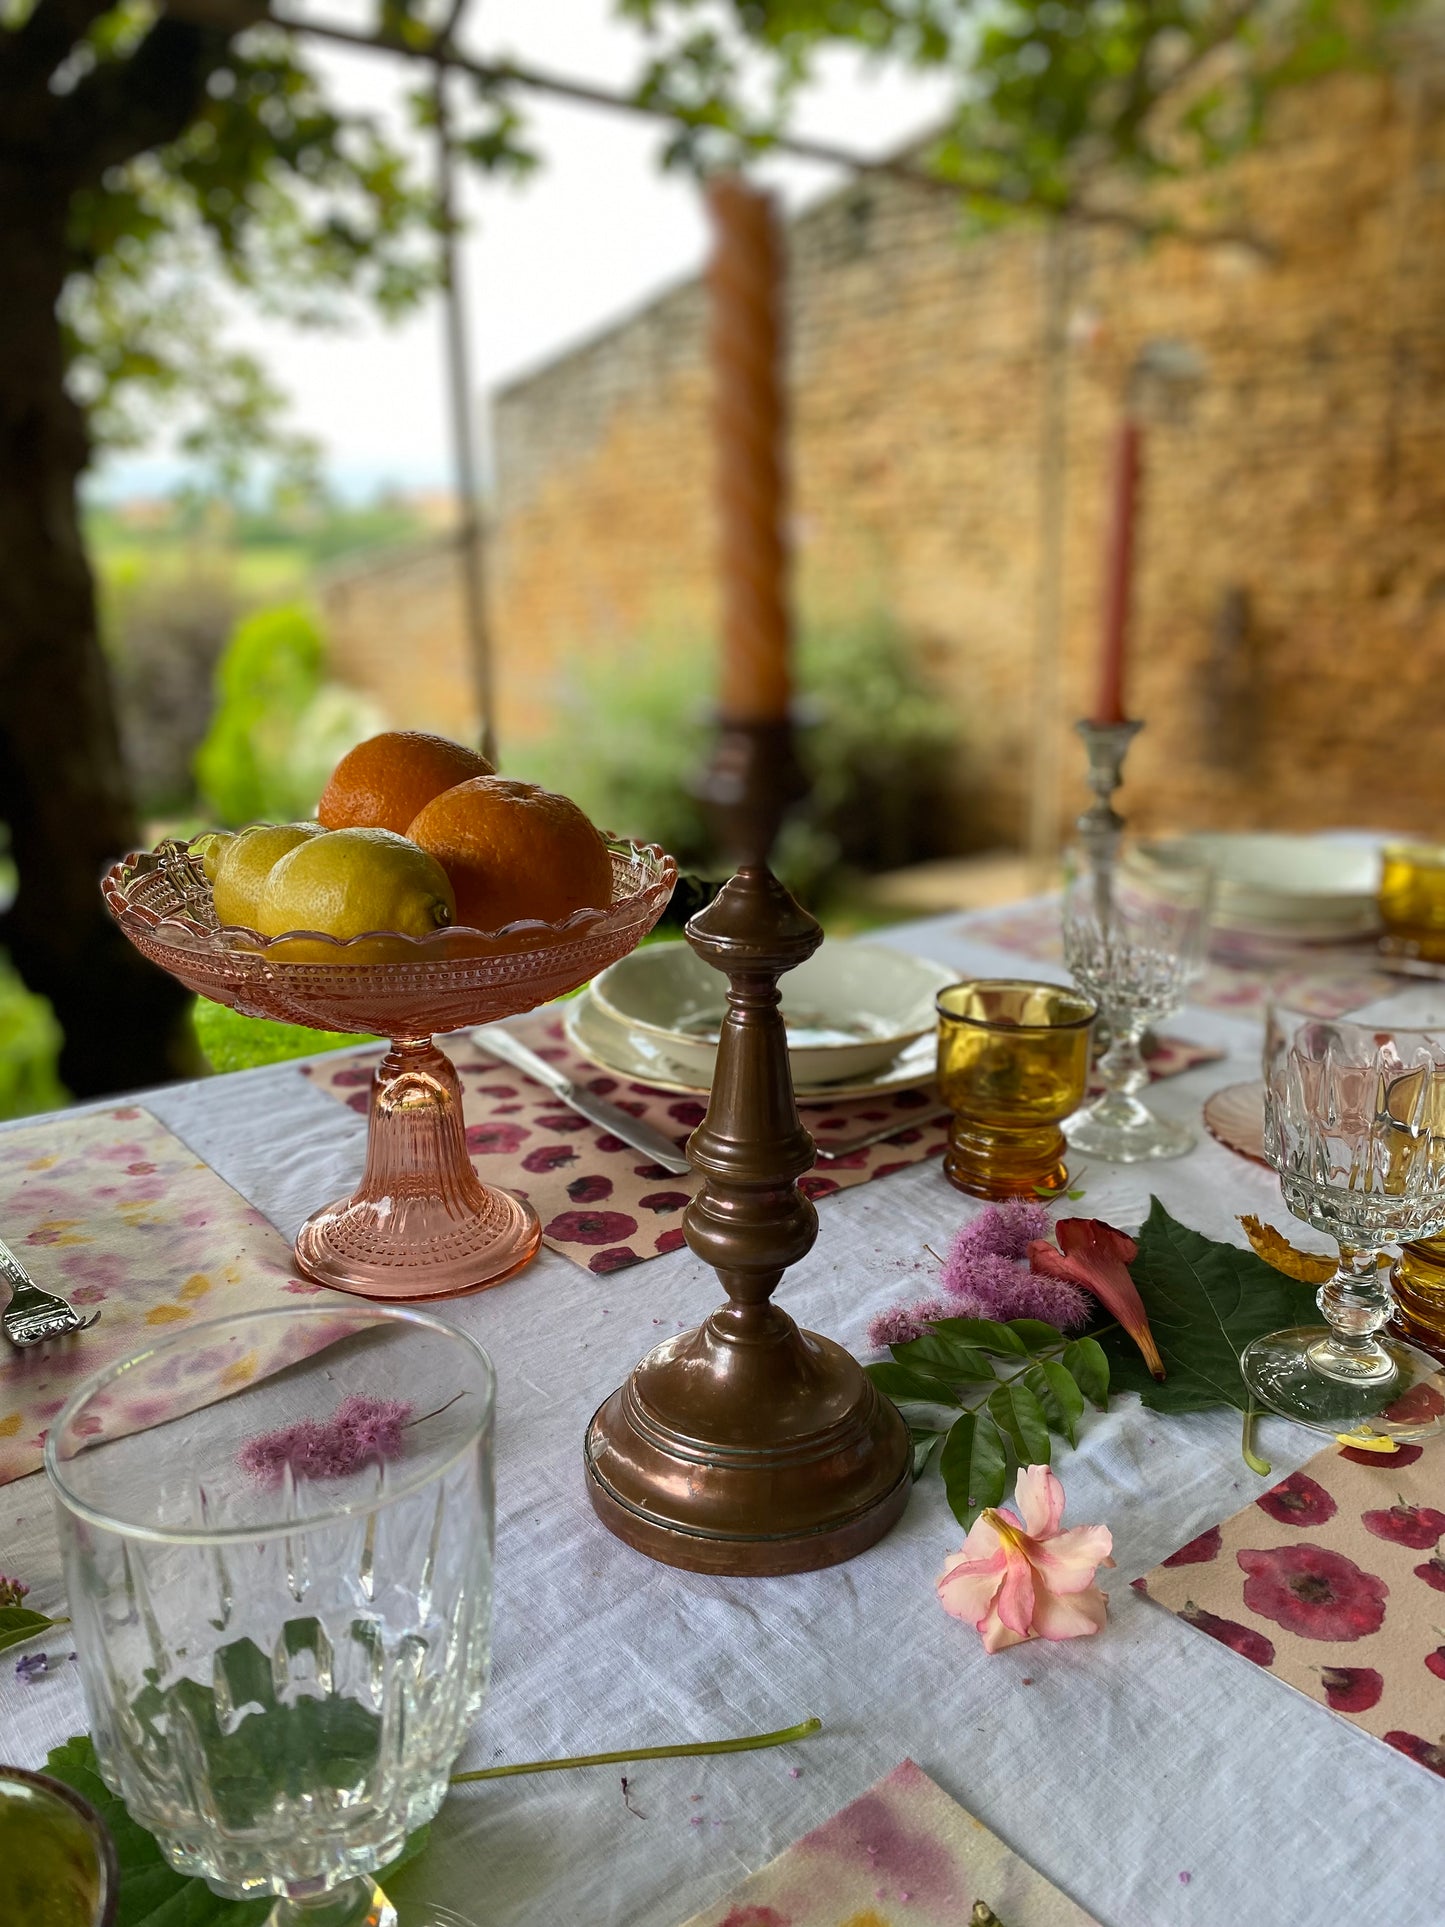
(942, 1355)
(1206, 1301)
(925, 1444)
(152, 1893)
(1087, 1363)
(1060, 1397)
(986, 1333)
(1036, 1335)
(18, 1623)
(974, 1466)
(902, 1382)
(1020, 1417)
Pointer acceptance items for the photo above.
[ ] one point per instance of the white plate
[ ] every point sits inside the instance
(849, 1010)
(1311, 887)
(595, 1034)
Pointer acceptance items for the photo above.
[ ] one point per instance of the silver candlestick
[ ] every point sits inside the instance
(1100, 826)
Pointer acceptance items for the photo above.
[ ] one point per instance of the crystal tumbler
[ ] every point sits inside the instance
(1354, 1123)
(1412, 898)
(1013, 1061)
(282, 1598)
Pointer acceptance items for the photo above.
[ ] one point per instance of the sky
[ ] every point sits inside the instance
(593, 234)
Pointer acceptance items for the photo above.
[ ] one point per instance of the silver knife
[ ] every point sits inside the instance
(497, 1041)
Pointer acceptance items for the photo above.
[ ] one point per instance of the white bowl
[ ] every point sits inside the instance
(849, 1010)
(1308, 887)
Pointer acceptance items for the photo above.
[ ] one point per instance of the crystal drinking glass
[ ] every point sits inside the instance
(57, 1859)
(1013, 1061)
(1354, 1123)
(282, 1598)
(1134, 941)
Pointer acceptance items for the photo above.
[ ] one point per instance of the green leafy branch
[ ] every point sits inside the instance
(18, 1623)
(1016, 1384)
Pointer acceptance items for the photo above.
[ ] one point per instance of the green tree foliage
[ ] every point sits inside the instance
(278, 727)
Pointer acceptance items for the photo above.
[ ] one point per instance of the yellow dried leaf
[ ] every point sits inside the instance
(1366, 1442)
(1276, 1250)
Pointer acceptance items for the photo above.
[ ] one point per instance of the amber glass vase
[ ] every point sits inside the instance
(1013, 1062)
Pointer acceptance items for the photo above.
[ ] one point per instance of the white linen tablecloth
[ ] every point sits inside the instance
(1153, 1775)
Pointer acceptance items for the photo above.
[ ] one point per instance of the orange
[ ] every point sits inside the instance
(514, 850)
(383, 782)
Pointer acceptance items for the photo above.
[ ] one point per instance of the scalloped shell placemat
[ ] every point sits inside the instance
(1334, 1581)
(112, 1211)
(601, 1203)
(902, 1855)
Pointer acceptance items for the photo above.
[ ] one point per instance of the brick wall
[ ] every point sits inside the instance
(1290, 612)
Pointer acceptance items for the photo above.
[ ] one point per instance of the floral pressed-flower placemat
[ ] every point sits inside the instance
(112, 1211)
(1334, 1581)
(903, 1852)
(601, 1203)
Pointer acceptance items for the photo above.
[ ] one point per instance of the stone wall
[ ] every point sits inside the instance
(1290, 609)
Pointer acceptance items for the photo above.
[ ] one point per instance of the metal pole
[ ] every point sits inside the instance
(464, 458)
(1043, 723)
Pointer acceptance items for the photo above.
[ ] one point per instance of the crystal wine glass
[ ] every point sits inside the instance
(1134, 939)
(281, 1591)
(1354, 1123)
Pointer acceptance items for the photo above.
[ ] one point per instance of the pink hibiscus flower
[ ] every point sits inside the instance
(1021, 1577)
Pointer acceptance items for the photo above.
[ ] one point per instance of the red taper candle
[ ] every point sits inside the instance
(1118, 576)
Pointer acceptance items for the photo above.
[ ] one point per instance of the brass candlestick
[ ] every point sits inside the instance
(748, 1446)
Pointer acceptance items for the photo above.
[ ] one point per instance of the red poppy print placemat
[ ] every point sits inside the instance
(1334, 1581)
(902, 1855)
(601, 1203)
(114, 1213)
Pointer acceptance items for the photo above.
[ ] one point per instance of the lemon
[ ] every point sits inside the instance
(209, 847)
(244, 862)
(347, 882)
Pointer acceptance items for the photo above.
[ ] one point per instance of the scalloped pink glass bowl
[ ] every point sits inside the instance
(421, 1224)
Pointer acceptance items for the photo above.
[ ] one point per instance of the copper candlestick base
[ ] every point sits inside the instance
(749, 1446)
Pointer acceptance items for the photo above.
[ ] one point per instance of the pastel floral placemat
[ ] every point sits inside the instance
(1334, 1581)
(1242, 973)
(115, 1213)
(904, 1855)
(601, 1203)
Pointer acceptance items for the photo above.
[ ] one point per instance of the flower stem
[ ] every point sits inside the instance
(1246, 1444)
(783, 1737)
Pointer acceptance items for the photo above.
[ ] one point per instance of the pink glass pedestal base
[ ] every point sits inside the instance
(421, 1224)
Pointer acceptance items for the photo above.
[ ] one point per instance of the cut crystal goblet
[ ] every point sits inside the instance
(421, 1224)
(280, 1583)
(1354, 1123)
(1134, 938)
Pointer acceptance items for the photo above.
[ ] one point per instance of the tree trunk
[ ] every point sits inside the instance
(63, 790)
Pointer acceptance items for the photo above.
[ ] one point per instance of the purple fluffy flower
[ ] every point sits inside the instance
(902, 1322)
(983, 1283)
(1002, 1230)
(358, 1431)
(32, 1666)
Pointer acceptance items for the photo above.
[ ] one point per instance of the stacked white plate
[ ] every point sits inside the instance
(860, 1019)
(1308, 889)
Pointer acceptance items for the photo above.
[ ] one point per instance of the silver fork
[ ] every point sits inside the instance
(32, 1314)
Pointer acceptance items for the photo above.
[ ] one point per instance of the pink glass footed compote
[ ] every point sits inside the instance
(421, 1224)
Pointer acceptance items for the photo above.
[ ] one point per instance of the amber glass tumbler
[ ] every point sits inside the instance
(1412, 897)
(1013, 1063)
